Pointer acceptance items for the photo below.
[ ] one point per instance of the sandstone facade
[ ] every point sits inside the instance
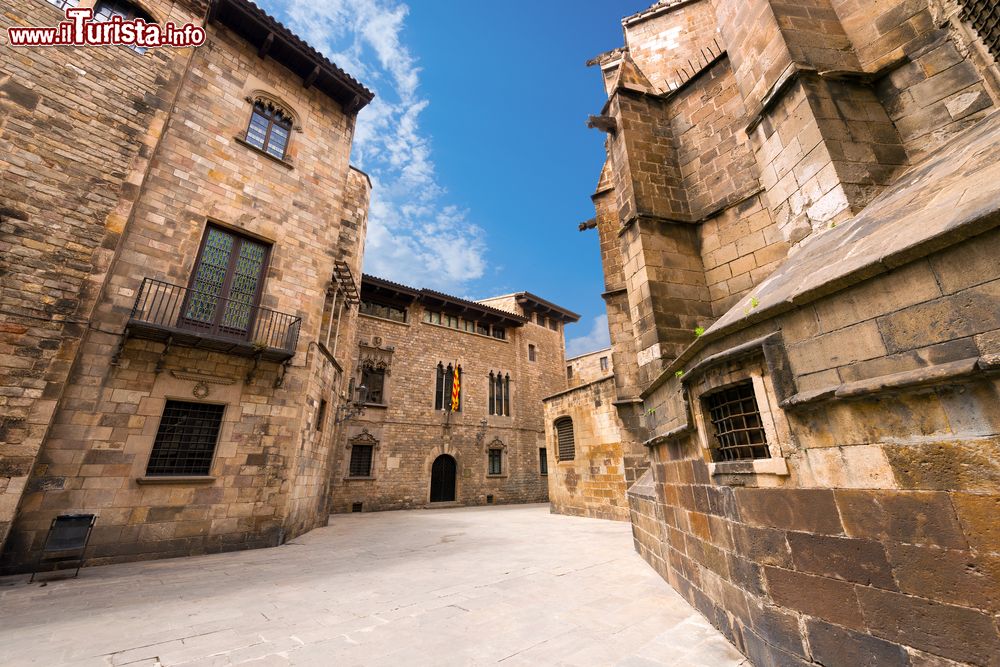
(798, 224)
(494, 448)
(586, 368)
(118, 166)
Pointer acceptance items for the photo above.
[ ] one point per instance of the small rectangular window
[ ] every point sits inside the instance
(483, 329)
(604, 363)
(543, 461)
(496, 461)
(554, 324)
(531, 353)
(373, 380)
(738, 429)
(451, 321)
(569, 372)
(64, 4)
(361, 461)
(321, 414)
(185, 439)
(500, 333)
(468, 325)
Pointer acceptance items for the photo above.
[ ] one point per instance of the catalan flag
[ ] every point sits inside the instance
(456, 388)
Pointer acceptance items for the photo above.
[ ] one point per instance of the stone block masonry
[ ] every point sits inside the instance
(799, 246)
(406, 431)
(108, 209)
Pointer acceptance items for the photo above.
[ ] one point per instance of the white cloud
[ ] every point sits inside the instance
(414, 235)
(597, 339)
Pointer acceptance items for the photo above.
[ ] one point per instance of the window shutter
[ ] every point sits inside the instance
(564, 439)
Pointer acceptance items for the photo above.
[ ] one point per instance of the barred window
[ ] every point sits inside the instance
(361, 461)
(185, 439)
(499, 394)
(543, 461)
(269, 129)
(496, 462)
(738, 429)
(984, 17)
(566, 446)
(443, 388)
(384, 310)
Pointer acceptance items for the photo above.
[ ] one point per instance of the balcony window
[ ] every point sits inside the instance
(226, 283)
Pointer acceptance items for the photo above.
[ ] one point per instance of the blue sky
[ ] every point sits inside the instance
(476, 143)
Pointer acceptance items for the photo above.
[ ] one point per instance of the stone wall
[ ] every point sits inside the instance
(880, 538)
(409, 434)
(589, 367)
(594, 482)
(78, 128)
(271, 466)
(833, 260)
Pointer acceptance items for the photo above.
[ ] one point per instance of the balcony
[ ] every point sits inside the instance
(199, 319)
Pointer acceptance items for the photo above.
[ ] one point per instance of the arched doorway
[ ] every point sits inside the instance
(443, 479)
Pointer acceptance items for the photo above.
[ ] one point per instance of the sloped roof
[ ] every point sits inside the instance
(953, 194)
(273, 39)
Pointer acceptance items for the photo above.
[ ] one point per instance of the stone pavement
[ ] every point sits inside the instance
(470, 586)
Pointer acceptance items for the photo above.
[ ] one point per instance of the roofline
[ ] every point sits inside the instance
(425, 295)
(271, 37)
(363, 173)
(654, 11)
(585, 385)
(587, 354)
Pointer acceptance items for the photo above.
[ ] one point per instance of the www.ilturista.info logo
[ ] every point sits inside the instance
(80, 30)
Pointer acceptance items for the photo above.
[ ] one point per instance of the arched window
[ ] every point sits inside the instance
(269, 129)
(565, 445)
(445, 384)
(499, 394)
(104, 10)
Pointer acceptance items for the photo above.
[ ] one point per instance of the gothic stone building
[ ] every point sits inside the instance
(799, 219)
(409, 449)
(179, 229)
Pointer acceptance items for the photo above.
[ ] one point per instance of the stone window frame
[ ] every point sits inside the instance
(543, 470)
(499, 402)
(265, 97)
(497, 444)
(776, 428)
(532, 352)
(363, 438)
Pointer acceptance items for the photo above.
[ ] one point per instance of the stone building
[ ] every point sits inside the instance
(409, 449)
(180, 231)
(585, 368)
(798, 219)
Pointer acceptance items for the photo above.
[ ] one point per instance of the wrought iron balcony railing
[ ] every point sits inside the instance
(199, 319)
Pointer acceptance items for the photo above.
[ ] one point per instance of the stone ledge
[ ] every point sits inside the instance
(919, 377)
(772, 466)
(177, 479)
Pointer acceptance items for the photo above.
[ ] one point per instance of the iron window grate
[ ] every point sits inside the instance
(984, 17)
(739, 431)
(564, 439)
(361, 461)
(185, 440)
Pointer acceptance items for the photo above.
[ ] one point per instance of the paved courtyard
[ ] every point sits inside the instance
(473, 586)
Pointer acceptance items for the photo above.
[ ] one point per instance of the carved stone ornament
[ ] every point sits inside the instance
(200, 390)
